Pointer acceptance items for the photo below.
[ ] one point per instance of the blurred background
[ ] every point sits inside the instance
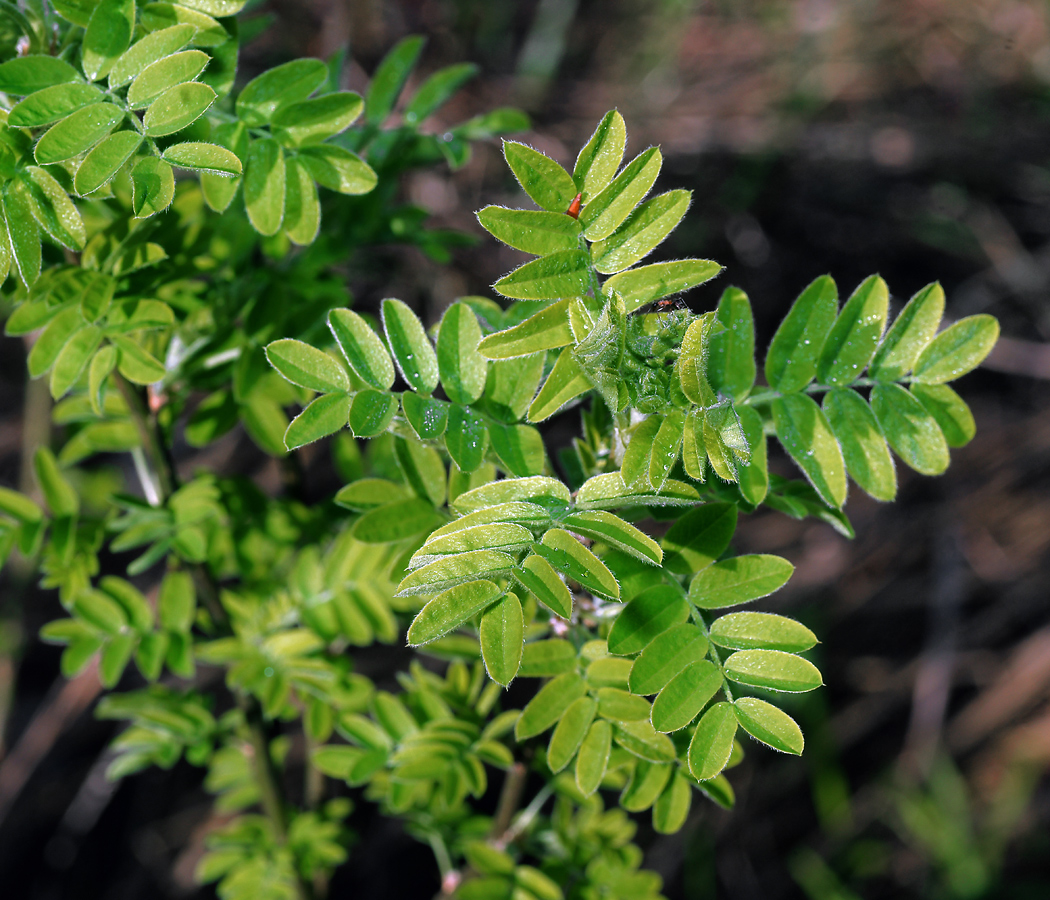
(905, 137)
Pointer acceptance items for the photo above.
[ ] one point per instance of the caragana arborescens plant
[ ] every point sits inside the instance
(167, 312)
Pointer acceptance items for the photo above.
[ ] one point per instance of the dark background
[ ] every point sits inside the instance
(905, 137)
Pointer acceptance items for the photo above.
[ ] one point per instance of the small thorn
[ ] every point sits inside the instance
(574, 207)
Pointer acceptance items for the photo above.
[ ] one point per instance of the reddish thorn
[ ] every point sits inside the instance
(574, 207)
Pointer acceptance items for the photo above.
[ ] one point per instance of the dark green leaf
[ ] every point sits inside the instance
(313, 121)
(646, 785)
(23, 236)
(864, 448)
(682, 698)
(427, 417)
(437, 89)
(910, 429)
(58, 493)
(731, 353)
(264, 186)
(288, 83)
(645, 618)
(372, 412)
(853, 338)
(395, 521)
(542, 581)
(390, 77)
(153, 184)
(806, 435)
(135, 363)
(107, 36)
(950, 411)
(52, 104)
(672, 808)
(699, 537)
(29, 74)
(74, 358)
(466, 438)
(614, 531)
(337, 169)
(411, 348)
(791, 362)
(912, 330)
(666, 656)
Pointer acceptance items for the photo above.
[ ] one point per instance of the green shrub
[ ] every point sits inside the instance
(157, 320)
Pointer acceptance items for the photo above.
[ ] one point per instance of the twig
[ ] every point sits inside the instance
(509, 798)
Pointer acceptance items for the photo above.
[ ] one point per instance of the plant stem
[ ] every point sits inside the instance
(509, 798)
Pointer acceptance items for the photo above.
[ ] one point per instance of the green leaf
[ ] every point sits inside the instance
(148, 50)
(466, 438)
(712, 742)
(912, 330)
(682, 698)
(532, 231)
(601, 156)
(209, 32)
(23, 235)
(337, 169)
(666, 447)
(541, 580)
(102, 364)
(177, 107)
(910, 429)
(949, 410)
(53, 209)
(620, 705)
(611, 671)
(218, 8)
(609, 491)
(423, 469)
(264, 186)
(505, 536)
(548, 706)
(302, 206)
(791, 362)
(544, 658)
(753, 477)
(570, 732)
(363, 348)
(28, 74)
(958, 349)
(645, 787)
(548, 185)
(609, 529)
(546, 492)
(642, 740)
(307, 367)
(565, 382)
(19, 507)
(666, 656)
(52, 339)
(462, 368)
(390, 77)
(647, 284)
(135, 363)
(74, 358)
(562, 274)
(203, 157)
(427, 417)
(672, 808)
(177, 602)
(635, 466)
(806, 435)
(165, 73)
(645, 618)
(411, 348)
(770, 725)
(772, 669)
(502, 634)
(325, 415)
(699, 537)
(511, 385)
(592, 759)
(371, 412)
(77, 132)
(739, 579)
(436, 90)
(547, 330)
(153, 184)
(58, 493)
(643, 230)
(105, 160)
(107, 36)
(452, 570)
(395, 521)
(731, 352)
(864, 448)
(518, 447)
(568, 555)
(451, 609)
(602, 215)
(313, 121)
(761, 631)
(369, 493)
(51, 104)
(853, 338)
(288, 83)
